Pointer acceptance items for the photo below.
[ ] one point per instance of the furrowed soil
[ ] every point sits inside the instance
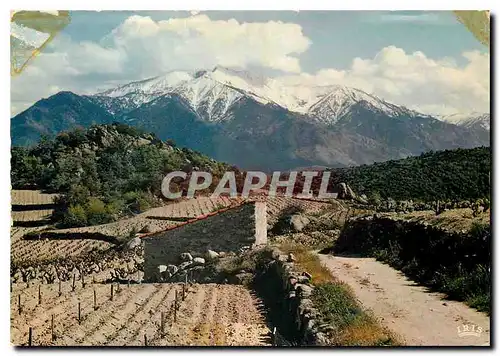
(35, 220)
(209, 315)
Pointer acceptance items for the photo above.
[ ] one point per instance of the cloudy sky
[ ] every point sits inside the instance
(427, 61)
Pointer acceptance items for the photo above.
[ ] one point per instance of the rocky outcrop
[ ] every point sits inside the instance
(298, 222)
(344, 191)
(212, 255)
(133, 243)
(186, 257)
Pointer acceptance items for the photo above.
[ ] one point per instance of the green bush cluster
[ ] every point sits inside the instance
(104, 172)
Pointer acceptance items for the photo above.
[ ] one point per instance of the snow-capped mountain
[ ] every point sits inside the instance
(256, 122)
(209, 94)
(212, 93)
(469, 120)
(337, 104)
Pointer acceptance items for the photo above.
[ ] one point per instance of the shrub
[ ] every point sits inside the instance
(115, 206)
(138, 202)
(75, 216)
(97, 213)
(375, 199)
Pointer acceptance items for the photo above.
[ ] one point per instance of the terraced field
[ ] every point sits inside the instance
(275, 205)
(29, 215)
(209, 315)
(31, 197)
(33, 251)
(28, 212)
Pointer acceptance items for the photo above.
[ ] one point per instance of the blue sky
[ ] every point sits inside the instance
(337, 36)
(370, 50)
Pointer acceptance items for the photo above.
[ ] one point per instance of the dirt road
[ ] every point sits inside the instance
(419, 317)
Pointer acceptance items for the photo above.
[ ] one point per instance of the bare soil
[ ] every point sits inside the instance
(210, 315)
(421, 318)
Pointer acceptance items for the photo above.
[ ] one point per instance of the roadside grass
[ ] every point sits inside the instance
(456, 264)
(349, 324)
(473, 287)
(308, 262)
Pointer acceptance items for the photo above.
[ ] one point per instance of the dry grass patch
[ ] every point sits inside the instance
(366, 332)
(349, 324)
(308, 262)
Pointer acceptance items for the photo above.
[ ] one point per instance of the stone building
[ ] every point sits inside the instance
(226, 230)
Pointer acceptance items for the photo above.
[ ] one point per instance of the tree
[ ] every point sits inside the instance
(375, 199)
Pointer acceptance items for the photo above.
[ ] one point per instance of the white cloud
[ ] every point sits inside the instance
(199, 42)
(141, 47)
(414, 80)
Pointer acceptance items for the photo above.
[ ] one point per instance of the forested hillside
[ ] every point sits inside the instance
(460, 174)
(104, 172)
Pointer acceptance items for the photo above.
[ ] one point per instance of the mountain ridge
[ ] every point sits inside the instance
(224, 116)
(300, 99)
(469, 120)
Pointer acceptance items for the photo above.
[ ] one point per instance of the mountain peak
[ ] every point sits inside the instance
(238, 77)
(468, 120)
(337, 103)
(200, 73)
(347, 93)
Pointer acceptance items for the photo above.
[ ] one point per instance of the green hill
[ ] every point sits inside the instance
(104, 172)
(460, 174)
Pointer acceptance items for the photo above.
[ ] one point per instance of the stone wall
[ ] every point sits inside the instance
(244, 226)
(457, 263)
(432, 246)
(288, 294)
